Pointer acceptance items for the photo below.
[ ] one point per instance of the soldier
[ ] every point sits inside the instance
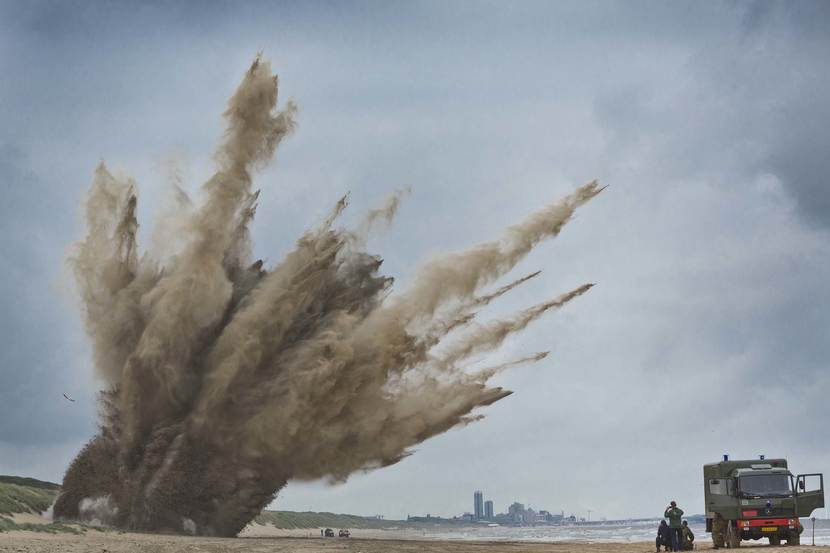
(794, 537)
(675, 516)
(718, 531)
(663, 536)
(687, 537)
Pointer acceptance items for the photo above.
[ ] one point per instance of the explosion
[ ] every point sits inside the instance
(224, 379)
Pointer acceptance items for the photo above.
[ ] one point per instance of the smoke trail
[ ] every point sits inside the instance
(382, 215)
(485, 300)
(225, 379)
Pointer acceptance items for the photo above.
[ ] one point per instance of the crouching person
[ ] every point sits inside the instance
(663, 536)
(687, 537)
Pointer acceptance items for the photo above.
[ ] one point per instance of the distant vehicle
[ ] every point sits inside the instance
(329, 533)
(344, 534)
(759, 498)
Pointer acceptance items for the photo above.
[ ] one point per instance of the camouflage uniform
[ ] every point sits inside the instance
(663, 537)
(687, 537)
(794, 538)
(718, 531)
(674, 515)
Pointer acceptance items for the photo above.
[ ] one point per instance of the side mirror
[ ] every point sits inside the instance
(801, 485)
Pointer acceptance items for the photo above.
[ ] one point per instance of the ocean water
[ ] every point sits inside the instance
(616, 531)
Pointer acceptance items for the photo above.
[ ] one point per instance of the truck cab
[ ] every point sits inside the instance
(758, 498)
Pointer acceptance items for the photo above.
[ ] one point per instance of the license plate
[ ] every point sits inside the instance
(769, 529)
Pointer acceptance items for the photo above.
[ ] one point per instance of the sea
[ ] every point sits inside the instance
(595, 532)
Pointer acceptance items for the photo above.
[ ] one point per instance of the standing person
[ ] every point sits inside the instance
(718, 531)
(675, 517)
(687, 537)
(663, 536)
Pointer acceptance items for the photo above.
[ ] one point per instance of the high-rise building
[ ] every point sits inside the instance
(488, 510)
(478, 505)
(516, 512)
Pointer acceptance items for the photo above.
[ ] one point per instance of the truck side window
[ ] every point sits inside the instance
(717, 486)
(730, 486)
(811, 483)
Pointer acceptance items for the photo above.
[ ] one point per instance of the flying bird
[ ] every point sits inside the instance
(69, 398)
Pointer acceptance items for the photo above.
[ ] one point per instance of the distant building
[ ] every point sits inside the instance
(516, 512)
(488, 510)
(431, 519)
(545, 516)
(478, 505)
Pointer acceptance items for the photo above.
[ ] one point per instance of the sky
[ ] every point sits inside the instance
(706, 334)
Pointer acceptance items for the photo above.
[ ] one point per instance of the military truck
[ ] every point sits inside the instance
(758, 498)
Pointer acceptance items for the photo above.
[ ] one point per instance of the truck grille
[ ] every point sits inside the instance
(763, 512)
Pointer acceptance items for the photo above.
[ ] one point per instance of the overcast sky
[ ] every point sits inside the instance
(707, 332)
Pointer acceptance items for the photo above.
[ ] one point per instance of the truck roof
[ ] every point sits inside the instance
(723, 469)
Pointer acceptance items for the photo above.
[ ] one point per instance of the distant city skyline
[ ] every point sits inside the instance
(516, 513)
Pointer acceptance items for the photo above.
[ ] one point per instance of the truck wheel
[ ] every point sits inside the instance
(733, 536)
(775, 540)
(794, 538)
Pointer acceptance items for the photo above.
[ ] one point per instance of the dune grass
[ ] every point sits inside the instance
(28, 495)
(21, 498)
(29, 482)
(7, 525)
(291, 519)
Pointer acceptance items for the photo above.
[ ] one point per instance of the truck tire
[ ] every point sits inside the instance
(775, 540)
(733, 536)
(794, 538)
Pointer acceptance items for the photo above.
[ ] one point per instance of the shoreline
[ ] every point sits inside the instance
(387, 542)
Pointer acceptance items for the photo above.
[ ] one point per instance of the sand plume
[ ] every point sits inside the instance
(224, 378)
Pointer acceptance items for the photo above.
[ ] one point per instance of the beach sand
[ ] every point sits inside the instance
(381, 541)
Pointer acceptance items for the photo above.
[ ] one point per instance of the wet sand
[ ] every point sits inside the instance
(115, 542)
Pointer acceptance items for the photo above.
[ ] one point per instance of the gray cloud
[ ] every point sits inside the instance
(749, 98)
(709, 248)
(37, 348)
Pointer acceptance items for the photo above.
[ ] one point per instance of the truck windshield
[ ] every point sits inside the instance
(765, 485)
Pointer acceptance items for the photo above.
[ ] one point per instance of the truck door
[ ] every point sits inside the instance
(809, 493)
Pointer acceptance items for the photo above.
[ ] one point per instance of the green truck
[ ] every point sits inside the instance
(758, 498)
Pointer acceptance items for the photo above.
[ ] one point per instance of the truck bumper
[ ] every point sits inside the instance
(766, 532)
(754, 529)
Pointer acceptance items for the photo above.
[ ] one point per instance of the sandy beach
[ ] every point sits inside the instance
(379, 542)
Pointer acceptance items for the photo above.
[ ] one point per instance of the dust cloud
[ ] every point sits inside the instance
(225, 379)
